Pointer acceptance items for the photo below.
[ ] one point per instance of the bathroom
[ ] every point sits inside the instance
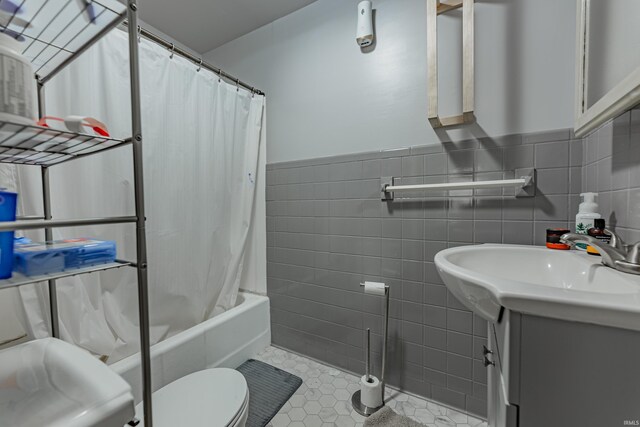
(320, 213)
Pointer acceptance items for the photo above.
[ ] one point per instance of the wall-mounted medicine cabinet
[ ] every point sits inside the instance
(607, 61)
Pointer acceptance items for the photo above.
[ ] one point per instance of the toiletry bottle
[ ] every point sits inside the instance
(18, 103)
(587, 213)
(553, 239)
(598, 231)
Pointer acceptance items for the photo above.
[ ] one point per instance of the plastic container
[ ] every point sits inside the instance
(43, 258)
(17, 85)
(7, 213)
(587, 213)
(553, 239)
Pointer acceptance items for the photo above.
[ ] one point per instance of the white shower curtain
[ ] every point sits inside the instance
(203, 164)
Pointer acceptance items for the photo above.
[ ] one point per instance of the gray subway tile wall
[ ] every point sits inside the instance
(328, 231)
(611, 167)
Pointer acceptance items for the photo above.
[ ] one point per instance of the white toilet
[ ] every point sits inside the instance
(212, 398)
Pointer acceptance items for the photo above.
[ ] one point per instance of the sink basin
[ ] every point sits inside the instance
(48, 382)
(567, 285)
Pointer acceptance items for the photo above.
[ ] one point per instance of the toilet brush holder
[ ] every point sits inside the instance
(370, 397)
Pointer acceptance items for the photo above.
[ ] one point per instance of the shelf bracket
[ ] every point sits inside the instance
(386, 181)
(529, 188)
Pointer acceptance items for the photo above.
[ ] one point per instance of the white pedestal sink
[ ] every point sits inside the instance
(48, 382)
(567, 285)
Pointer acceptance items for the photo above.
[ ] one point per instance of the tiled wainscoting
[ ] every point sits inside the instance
(612, 169)
(328, 231)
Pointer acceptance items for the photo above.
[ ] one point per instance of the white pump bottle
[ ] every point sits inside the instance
(587, 213)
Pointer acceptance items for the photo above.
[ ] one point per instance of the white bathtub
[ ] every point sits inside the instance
(227, 340)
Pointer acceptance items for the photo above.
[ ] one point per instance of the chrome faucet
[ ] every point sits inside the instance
(615, 254)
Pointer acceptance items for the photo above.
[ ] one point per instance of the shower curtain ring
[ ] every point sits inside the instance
(139, 32)
(253, 92)
(199, 65)
(219, 75)
(172, 48)
(237, 85)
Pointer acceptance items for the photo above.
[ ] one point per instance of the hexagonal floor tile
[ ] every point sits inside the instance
(327, 401)
(417, 403)
(353, 387)
(286, 407)
(312, 421)
(297, 414)
(357, 417)
(345, 421)
(312, 407)
(328, 415)
(401, 397)
(297, 401)
(475, 422)
(327, 388)
(340, 383)
(313, 373)
(289, 363)
(343, 407)
(314, 383)
(442, 421)
(326, 378)
(424, 416)
(436, 409)
(405, 408)
(342, 394)
(302, 389)
(301, 367)
(281, 420)
(313, 394)
(324, 398)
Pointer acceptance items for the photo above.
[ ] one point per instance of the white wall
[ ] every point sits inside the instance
(326, 97)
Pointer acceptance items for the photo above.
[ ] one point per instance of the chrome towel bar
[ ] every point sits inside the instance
(525, 185)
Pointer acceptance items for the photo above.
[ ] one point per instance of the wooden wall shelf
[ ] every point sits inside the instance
(435, 8)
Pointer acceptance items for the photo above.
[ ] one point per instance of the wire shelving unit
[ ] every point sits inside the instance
(54, 33)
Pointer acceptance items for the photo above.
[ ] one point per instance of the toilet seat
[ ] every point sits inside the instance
(214, 397)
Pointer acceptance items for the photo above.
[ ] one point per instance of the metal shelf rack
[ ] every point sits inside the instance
(19, 280)
(35, 145)
(54, 34)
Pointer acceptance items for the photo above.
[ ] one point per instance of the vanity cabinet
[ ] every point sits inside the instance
(556, 373)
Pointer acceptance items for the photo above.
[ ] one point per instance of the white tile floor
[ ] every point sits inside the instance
(324, 398)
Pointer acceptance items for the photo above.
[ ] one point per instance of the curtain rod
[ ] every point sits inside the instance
(173, 49)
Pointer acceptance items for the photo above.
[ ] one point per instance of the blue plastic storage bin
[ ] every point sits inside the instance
(7, 213)
(43, 258)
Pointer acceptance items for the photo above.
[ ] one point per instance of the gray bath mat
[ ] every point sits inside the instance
(386, 417)
(269, 390)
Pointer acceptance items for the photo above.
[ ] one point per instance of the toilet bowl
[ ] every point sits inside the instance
(213, 398)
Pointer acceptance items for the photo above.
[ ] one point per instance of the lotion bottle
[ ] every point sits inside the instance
(587, 213)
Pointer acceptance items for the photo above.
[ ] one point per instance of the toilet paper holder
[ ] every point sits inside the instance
(356, 400)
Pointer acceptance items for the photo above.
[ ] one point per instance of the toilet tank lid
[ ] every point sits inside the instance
(212, 397)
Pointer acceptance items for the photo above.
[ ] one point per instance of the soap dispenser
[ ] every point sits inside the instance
(587, 213)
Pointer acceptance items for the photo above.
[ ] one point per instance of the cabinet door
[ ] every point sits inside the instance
(493, 384)
(497, 415)
(500, 412)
